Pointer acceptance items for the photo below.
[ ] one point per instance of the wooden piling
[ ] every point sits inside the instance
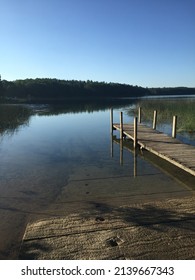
(121, 125)
(154, 119)
(139, 115)
(174, 127)
(135, 133)
(161, 145)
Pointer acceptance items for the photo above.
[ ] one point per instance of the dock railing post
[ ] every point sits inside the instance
(111, 121)
(154, 119)
(174, 127)
(139, 115)
(121, 125)
(135, 133)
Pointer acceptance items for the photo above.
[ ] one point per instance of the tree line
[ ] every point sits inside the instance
(38, 90)
(172, 91)
(54, 89)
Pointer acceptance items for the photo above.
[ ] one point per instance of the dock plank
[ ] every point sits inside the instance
(171, 149)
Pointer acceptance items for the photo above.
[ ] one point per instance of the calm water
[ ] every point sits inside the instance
(54, 161)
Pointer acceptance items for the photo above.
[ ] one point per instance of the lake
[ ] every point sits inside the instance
(56, 160)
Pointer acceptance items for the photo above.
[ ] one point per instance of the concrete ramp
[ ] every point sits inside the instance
(161, 230)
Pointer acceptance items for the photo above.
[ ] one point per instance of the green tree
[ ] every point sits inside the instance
(1, 88)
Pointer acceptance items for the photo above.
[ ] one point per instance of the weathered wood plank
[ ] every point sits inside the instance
(162, 145)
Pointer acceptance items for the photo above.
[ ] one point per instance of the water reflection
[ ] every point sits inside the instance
(167, 168)
(123, 144)
(86, 106)
(57, 161)
(12, 117)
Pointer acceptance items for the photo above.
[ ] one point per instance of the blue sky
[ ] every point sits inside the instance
(149, 43)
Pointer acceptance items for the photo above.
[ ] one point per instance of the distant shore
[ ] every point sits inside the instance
(53, 90)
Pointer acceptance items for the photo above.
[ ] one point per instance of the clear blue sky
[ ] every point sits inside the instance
(138, 42)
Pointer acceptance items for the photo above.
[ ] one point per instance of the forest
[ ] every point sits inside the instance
(53, 89)
(50, 90)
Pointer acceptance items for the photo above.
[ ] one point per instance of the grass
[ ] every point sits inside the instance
(183, 108)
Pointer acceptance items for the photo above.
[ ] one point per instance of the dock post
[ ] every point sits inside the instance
(121, 125)
(154, 119)
(135, 133)
(174, 127)
(139, 115)
(111, 121)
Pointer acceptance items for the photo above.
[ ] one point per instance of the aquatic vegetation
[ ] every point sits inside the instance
(167, 108)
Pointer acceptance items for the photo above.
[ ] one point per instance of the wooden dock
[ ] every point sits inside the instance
(158, 143)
